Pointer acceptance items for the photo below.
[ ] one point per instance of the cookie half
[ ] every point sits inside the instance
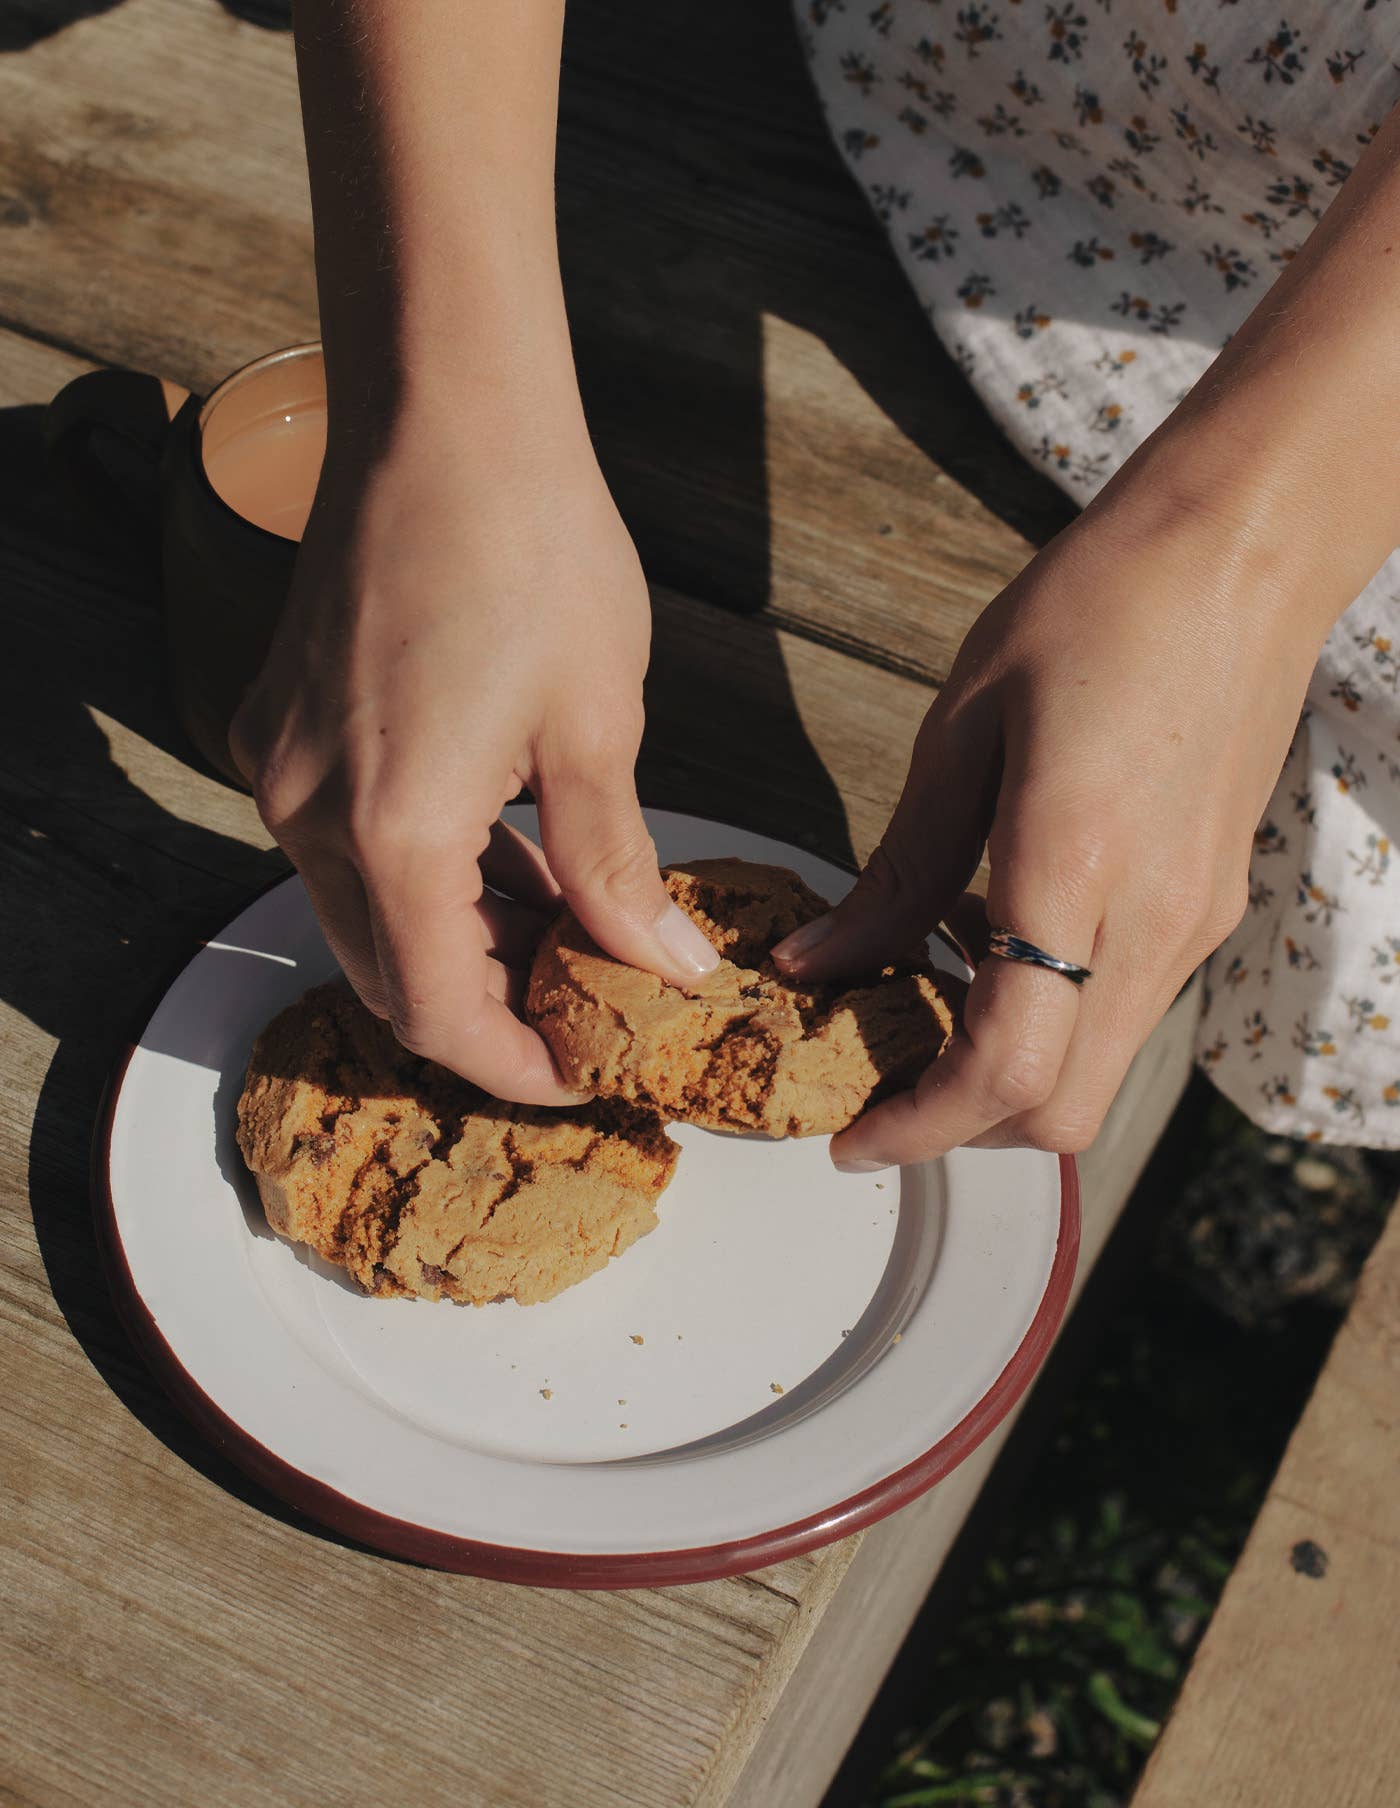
(744, 1048)
(417, 1183)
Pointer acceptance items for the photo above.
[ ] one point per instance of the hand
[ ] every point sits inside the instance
(459, 627)
(1111, 732)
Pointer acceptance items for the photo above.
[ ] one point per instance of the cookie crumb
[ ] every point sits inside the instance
(621, 1401)
(622, 1425)
(775, 1387)
(637, 1337)
(879, 1186)
(546, 1393)
(896, 1337)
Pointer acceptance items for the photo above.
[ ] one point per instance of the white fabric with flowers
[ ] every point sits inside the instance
(1089, 196)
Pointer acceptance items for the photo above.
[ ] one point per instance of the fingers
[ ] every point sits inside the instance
(514, 865)
(1119, 1008)
(1069, 1120)
(507, 932)
(510, 931)
(506, 984)
(445, 1000)
(965, 922)
(1006, 1058)
(338, 897)
(929, 852)
(598, 848)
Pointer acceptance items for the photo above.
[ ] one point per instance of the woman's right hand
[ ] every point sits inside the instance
(462, 624)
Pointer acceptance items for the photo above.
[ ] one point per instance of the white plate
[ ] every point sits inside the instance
(790, 1355)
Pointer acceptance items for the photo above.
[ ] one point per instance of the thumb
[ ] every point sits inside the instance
(602, 856)
(929, 851)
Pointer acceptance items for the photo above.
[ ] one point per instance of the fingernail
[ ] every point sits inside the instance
(685, 944)
(860, 1167)
(805, 938)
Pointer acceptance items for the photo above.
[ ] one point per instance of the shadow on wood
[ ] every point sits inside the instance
(698, 183)
(110, 891)
(903, 1697)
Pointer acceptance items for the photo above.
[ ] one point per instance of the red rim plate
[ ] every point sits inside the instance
(559, 1569)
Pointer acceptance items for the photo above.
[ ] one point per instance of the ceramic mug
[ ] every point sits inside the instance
(223, 485)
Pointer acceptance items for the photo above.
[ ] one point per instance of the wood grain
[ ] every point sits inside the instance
(208, 1644)
(778, 423)
(1292, 1698)
(174, 1633)
(767, 402)
(800, 1736)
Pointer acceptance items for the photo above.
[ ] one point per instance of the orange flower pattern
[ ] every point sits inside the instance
(1089, 197)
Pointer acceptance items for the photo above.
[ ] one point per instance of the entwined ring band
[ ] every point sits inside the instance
(1013, 947)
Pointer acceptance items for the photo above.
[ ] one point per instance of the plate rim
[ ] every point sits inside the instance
(425, 1545)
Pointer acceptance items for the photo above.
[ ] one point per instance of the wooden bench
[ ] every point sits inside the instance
(824, 510)
(1294, 1696)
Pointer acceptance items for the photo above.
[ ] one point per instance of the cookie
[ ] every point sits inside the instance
(417, 1183)
(745, 1047)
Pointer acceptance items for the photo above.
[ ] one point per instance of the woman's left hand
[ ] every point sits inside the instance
(1110, 732)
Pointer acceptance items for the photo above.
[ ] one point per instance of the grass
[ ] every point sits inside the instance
(1052, 1687)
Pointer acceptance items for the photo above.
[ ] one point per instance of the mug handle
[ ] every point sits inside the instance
(133, 411)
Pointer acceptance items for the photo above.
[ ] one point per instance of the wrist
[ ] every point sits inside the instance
(482, 405)
(457, 470)
(460, 330)
(1244, 513)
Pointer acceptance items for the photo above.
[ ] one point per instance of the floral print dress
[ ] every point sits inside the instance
(1089, 196)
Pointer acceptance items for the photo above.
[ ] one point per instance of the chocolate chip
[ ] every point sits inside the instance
(318, 1147)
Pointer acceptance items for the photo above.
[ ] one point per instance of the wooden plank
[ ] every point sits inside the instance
(760, 375)
(775, 417)
(788, 735)
(154, 190)
(174, 1634)
(766, 400)
(800, 1739)
(1292, 1698)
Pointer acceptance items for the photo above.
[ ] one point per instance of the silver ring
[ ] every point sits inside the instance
(1010, 946)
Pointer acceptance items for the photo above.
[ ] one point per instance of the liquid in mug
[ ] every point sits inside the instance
(266, 469)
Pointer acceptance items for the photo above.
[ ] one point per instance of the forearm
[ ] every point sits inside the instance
(1290, 443)
(430, 134)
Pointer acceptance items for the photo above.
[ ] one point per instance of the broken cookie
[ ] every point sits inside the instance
(417, 1183)
(746, 1047)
